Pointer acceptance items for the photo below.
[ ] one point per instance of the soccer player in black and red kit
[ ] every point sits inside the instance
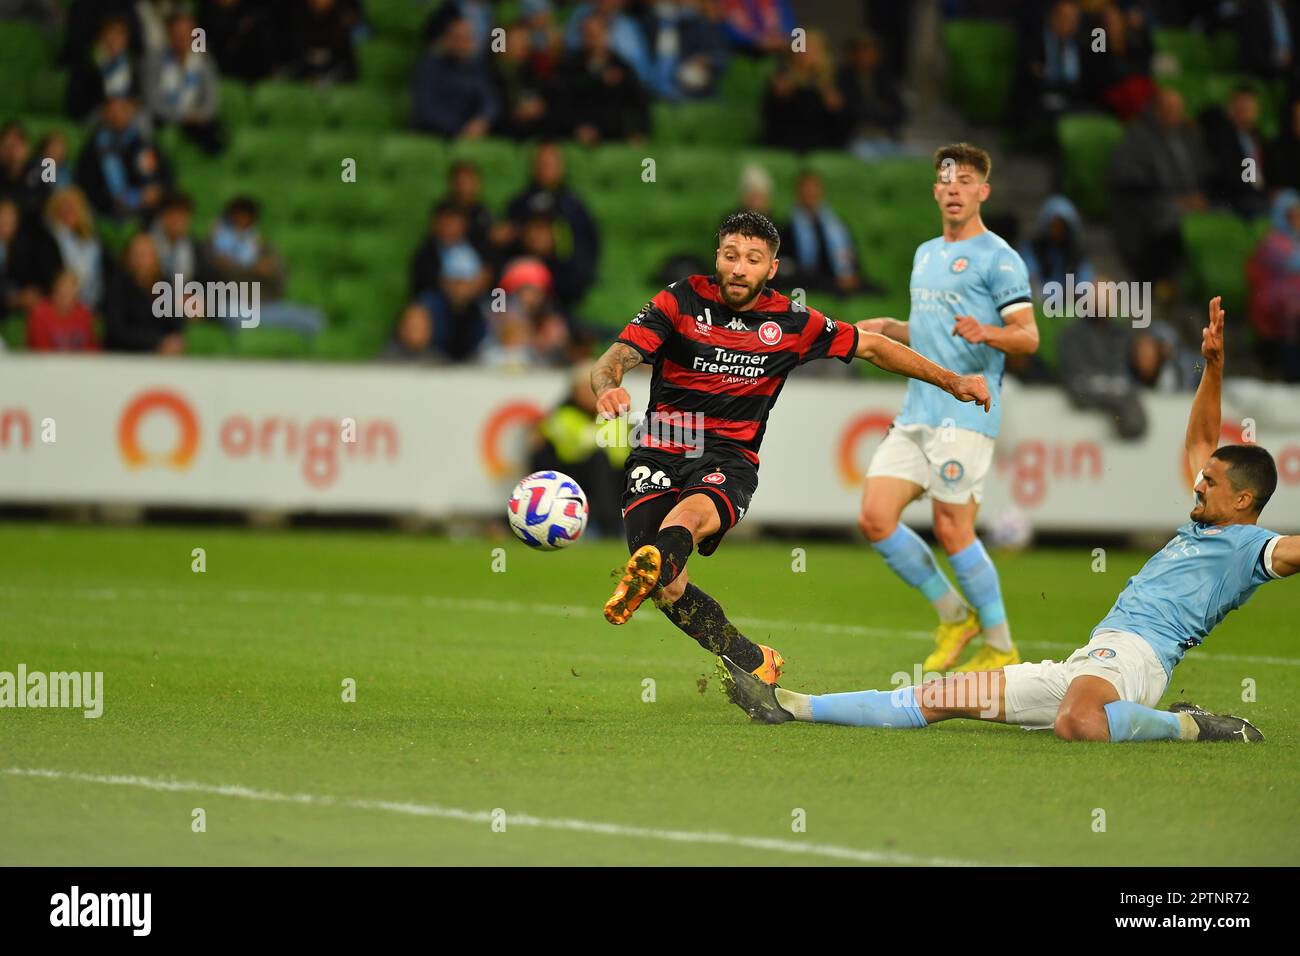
(722, 347)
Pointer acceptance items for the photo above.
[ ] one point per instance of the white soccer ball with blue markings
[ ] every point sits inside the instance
(547, 511)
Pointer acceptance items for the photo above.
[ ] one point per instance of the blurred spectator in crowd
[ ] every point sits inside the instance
(1158, 362)
(61, 322)
(545, 37)
(525, 112)
(624, 35)
(1156, 175)
(571, 440)
(688, 47)
(181, 87)
(20, 172)
(601, 97)
(130, 320)
(1231, 136)
(759, 27)
(464, 192)
(1268, 35)
(873, 105)
(447, 321)
(1054, 249)
(817, 253)
(1030, 369)
(802, 108)
(548, 194)
(19, 288)
(453, 93)
(1094, 370)
(1050, 79)
(530, 331)
(1119, 77)
(179, 253)
(240, 36)
(1273, 277)
(123, 173)
(755, 189)
(1282, 157)
(237, 252)
(104, 71)
(537, 240)
(83, 19)
(74, 244)
(321, 41)
(448, 232)
(476, 13)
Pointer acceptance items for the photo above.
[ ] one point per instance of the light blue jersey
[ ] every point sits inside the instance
(981, 276)
(1190, 585)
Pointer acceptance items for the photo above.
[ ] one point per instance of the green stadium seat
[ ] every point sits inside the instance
(268, 342)
(13, 330)
(1191, 48)
(312, 252)
(701, 123)
(981, 59)
(288, 106)
(343, 344)
(234, 103)
(400, 19)
(206, 339)
(385, 63)
(744, 82)
(363, 108)
(1086, 142)
(262, 153)
(1217, 246)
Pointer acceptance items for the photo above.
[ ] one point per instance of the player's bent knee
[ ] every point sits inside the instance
(1082, 725)
(875, 525)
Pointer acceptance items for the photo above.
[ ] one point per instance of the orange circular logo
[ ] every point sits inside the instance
(868, 423)
(161, 401)
(511, 414)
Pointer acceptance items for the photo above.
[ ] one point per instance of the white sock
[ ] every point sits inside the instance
(998, 636)
(951, 608)
(800, 705)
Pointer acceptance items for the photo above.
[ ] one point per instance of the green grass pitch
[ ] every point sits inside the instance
(479, 690)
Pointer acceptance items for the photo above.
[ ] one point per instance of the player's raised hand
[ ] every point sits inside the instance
(971, 388)
(1212, 336)
(612, 403)
(971, 329)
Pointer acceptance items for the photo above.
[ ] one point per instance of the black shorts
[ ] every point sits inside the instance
(654, 481)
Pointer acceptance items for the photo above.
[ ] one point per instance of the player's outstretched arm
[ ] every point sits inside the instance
(884, 352)
(1286, 556)
(1203, 422)
(1017, 336)
(612, 400)
(898, 331)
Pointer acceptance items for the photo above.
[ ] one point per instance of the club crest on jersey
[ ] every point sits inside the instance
(951, 471)
(1101, 653)
(704, 323)
(960, 263)
(769, 333)
(714, 478)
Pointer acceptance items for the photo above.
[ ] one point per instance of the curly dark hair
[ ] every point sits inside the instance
(753, 225)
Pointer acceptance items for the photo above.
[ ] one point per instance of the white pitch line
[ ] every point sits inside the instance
(493, 606)
(484, 817)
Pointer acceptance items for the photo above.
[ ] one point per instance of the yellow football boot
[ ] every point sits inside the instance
(989, 659)
(950, 640)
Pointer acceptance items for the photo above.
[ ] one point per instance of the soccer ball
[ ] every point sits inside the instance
(547, 510)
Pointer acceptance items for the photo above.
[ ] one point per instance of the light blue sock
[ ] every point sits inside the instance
(869, 708)
(979, 582)
(911, 559)
(1133, 722)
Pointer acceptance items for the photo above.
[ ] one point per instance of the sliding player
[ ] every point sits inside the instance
(1108, 689)
(970, 307)
(722, 347)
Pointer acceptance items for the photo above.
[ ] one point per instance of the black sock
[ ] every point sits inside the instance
(675, 545)
(702, 618)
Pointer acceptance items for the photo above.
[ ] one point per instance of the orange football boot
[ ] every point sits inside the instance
(639, 579)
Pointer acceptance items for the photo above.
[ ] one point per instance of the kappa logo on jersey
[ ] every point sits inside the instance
(830, 324)
(769, 333)
(714, 478)
(645, 310)
(1102, 653)
(960, 263)
(737, 325)
(951, 471)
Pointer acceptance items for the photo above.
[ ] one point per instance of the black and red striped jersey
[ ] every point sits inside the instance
(725, 369)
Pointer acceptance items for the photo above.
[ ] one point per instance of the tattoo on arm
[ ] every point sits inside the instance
(609, 370)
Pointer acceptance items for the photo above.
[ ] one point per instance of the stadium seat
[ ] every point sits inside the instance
(13, 330)
(1217, 245)
(268, 342)
(981, 58)
(1086, 141)
(287, 106)
(363, 108)
(399, 19)
(207, 339)
(386, 64)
